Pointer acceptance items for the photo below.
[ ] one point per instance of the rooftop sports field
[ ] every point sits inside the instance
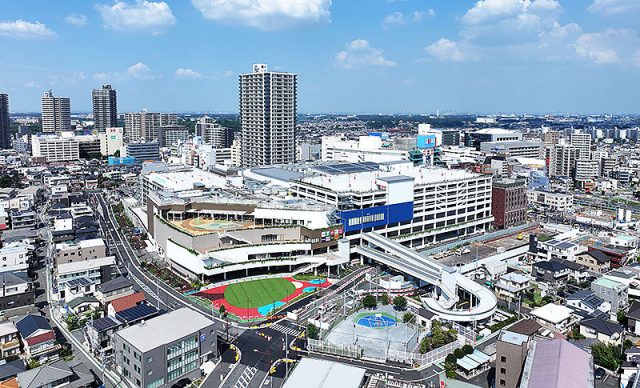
(256, 293)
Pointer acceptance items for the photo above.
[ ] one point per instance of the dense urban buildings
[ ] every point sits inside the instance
(105, 108)
(214, 133)
(268, 103)
(56, 113)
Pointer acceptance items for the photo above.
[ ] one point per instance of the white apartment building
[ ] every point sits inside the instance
(14, 257)
(581, 142)
(56, 113)
(105, 107)
(55, 148)
(586, 169)
(267, 117)
(365, 149)
(414, 205)
(561, 158)
(236, 152)
(554, 201)
(111, 141)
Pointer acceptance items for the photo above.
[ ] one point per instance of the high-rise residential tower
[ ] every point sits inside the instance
(105, 108)
(267, 117)
(5, 139)
(56, 113)
(145, 125)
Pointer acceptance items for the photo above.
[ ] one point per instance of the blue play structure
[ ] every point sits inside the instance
(309, 289)
(376, 321)
(317, 281)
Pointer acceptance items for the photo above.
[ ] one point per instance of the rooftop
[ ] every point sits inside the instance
(553, 313)
(314, 373)
(166, 328)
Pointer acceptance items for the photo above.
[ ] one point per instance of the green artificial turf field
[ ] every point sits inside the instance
(257, 293)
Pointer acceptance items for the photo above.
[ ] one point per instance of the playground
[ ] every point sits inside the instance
(257, 299)
(207, 225)
(375, 331)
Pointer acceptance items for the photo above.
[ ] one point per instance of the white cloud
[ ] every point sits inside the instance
(447, 50)
(359, 53)
(486, 10)
(612, 7)
(419, 15)
(24, 29)
(265, 15)
(395, 18)
(611, 46)
(187, 73)
(138, 70)
(76, 19)
(140, 15)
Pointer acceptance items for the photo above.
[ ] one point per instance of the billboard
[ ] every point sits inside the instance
(376, 216)
(426, 141)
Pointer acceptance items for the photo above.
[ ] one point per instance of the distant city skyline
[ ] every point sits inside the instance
(409, 56)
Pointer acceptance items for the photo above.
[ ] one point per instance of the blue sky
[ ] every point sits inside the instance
(366, 56)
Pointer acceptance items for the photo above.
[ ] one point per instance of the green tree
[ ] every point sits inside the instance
(223, 310)
(607, 356)
(450, 369)
(385, 299)
(621, 317)
(459, 353)
(425, 345)
(33, 364)
(468, 349)
(407, 317)
(400, 302)
(312, 331)
(369, 301)
(451, 358)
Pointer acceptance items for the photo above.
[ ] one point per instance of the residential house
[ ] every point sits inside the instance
(585, 303)
(596, 261)
(551, 272)
(76, 288)
(38, 339)
(554, 317)
(511, 285)
(577, 272)
(124, 303)
(17, 290)
(605, 331)
(633, 318)
(60, 373)
(629, 374)
(114, 289)
(70, 252)
(99, 335)
(9, 340)
(83, 304)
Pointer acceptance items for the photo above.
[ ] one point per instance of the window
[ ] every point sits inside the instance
(503, 359)
(149, 359)
(503, 371)
(503, 383)
(149, 372)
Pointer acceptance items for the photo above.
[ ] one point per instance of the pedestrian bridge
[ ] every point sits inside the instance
(449, 283)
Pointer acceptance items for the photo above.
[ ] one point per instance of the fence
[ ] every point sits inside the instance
(352, 351)
(425, 359)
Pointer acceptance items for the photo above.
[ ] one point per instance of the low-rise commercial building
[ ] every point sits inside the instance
(182, 340)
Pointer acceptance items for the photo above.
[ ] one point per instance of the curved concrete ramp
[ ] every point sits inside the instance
(446, 279)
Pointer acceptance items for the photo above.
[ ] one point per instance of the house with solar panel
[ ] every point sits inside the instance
(38, 338)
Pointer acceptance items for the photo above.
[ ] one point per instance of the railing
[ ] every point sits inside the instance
(352, 351)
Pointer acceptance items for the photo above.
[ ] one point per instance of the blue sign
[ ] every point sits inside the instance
(426, 141)
(203, 337)
(376, 216)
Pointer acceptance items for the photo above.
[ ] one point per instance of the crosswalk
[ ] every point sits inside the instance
(294, 332)
(245, 377)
